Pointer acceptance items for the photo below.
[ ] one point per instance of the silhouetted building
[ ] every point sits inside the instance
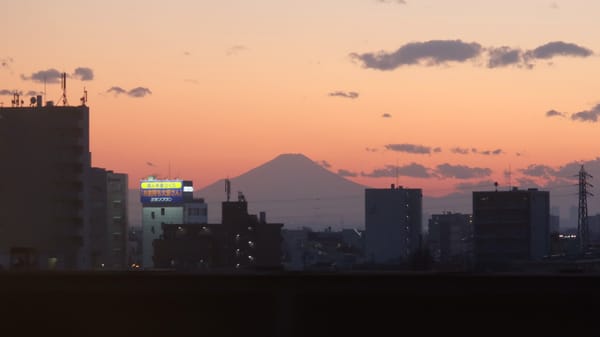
(43, 207)
(554, 224)
(594, 231)
(510, 226)
(450, 239)
(167, 202)
(304, 249)
(108, 221)
(393, 224)
(242, 241)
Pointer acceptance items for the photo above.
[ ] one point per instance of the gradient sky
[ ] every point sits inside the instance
(225, 86)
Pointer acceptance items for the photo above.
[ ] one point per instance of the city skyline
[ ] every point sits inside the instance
(443, 95)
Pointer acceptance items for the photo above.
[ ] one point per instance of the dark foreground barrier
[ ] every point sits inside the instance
(282, 304)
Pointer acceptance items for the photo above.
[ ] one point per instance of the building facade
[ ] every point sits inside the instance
(44, 220)
(241, 242)
(167, 202)
(393, 220)
(450, 239)
(510, 226)
(108, 221)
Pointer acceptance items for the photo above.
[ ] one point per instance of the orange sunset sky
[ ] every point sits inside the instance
(224, 86)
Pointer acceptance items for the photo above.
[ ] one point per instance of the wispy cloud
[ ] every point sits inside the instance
(386, 115)
(6, 92)
(411, 170)
(347, 173)
(371, 149)
(410, 148)
(536, 170)
(323, 163)
(6, 62)
(135, 92)
(461, 171)
(344, 94)
(554, 113)
(460, 150)
(234, 50)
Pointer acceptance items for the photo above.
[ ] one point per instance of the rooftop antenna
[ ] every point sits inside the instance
(396, 171)
(228, 188)
(63, 86)
(84, 98)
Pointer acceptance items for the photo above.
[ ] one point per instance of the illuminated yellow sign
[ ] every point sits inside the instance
(161, 185)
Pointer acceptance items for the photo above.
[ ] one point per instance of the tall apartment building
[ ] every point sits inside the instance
(167, 202)
(393, 220)
(108, 219)
(510, 226)
(450, 238)
(45, 161)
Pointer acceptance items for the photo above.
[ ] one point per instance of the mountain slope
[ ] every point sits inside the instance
(294, 190)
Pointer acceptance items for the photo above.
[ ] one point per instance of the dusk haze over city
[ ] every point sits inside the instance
(449, 92)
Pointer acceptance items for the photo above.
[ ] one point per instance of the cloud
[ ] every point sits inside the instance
(459, 150)
(559, 48)
(323, 163)
(346, 173)
(409, 148)
(437, 150)
(187, 53)
(437, 52)
(478, 185)
(461, 171)
(34, 93)
(234, 50)
(491, 152)
(504, 56)
(587, 115)
(6, 92)
(48, 76)
(344, 94)
(554, 5)
(139, 92)
(553, 113)
(465, 151)
(536, 170)
(116, 90)
(83, 74)
(370, 149)
(411, 170)
(6, 62)
(434, 52)
(189, 80)
(386, 115)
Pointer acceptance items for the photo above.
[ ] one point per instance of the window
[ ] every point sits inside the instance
(162, 211)
(152, 215)
(193, 211)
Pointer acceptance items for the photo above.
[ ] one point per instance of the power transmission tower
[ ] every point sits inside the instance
(582, 216)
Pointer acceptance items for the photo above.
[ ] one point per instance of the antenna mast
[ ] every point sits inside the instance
(582, 215)
(63, 86)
